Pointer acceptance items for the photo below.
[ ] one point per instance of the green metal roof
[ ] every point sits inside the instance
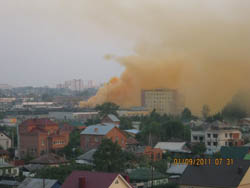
(234, 152)
(145, 174)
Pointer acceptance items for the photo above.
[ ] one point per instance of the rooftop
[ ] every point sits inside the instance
(172, 146)
(93, 179)
(215, 176)
(113, 118)
(49, 159)
(37, 183)
(99, 129)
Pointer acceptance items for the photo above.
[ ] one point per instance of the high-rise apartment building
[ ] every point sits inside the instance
(164, 101)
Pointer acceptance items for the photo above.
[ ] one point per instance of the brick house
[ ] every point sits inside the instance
(153, 154)
(38, 136)
(92, 136)
(111, 119)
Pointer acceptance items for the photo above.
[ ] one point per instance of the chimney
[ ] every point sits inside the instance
(82, 182)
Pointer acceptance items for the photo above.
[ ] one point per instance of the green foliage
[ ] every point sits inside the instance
(125, 123)
(218, 116)
(60, 173)
(161, 166)
(217, 155)
(162, 128)
(92, 121)
(186, 114)
(72, 150)
(109, 157)
(107, 108)
(198, 149)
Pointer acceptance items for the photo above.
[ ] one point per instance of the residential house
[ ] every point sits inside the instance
(142, 178)
(38, 183)
(173, 147)
(38, 136)
(30, 170)
(5, 141)
(215, 176)
(245, 182)
(86, 158)
(87, 179)
(132, 144)
(92, 136)
(216, 135)
(175, 172)
(49, 159)
(132, 132)
(110, 118)
(7, 170)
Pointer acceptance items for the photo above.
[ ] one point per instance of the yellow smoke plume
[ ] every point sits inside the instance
(200, 48)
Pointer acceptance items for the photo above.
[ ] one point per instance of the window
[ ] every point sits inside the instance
(226, 135)
(208, 135)
(231, 135)
(201, 138)
(96, 139)
(209, 143)
(215, 135)
(43, 142)
(215, 143)
(117, 139)
(195, 137)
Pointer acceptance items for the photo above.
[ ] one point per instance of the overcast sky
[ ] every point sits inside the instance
(45, 42)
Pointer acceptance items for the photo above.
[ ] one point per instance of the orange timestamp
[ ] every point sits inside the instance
(204, 161)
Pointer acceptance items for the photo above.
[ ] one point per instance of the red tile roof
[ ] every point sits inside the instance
(93, 179)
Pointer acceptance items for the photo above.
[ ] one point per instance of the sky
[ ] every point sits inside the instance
(45, 42)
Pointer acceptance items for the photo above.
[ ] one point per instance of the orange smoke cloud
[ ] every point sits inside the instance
(200, 49)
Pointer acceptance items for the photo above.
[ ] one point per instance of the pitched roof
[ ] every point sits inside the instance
(172, 146)
(144, 174)
(132, 141)
(37, 183)
(88, 156)
(38, 122)
(215, 176)
(48, 159)
(93, 179)
(233, 152)
(99, 129)
(113, 118)
(176, 169)
(133, 131)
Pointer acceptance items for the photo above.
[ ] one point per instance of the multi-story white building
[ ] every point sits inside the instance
(164, 101)
(216, 137)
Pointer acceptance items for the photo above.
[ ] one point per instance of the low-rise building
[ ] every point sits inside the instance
(215, 176)
(86, 158)
(39, 136)
(49, 159)
(142, 178)
(92, 136)
(37, 183)
(87, 179)
(173, 147)
(5, 141)
(110, 118)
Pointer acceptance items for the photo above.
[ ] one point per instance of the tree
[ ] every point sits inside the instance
(205, 111)
(125, 123)
(109, 157)
(234, 111)
(72, 150)
(198, 149)
(107, 108)
(186, 114)
(60, 173)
